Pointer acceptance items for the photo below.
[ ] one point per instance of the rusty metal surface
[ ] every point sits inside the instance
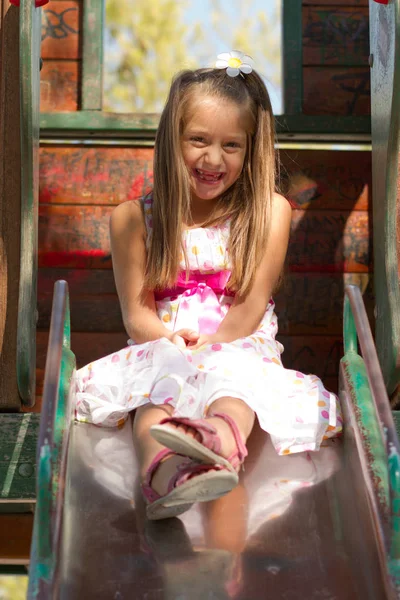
(297, 526)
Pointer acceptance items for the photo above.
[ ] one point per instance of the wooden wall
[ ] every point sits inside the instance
(330, 193)
(336, 74)
(61, 54)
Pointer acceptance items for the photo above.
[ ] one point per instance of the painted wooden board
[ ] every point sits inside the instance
(79, 175)
(336, 90)
(60, 30)
(310, 304)
(59, 85)
(335, 35)
(10, 203)
(16, 544)
(385, 102)
(29, 75)
(18, 441)
(330, 241)
(327, 180)
(78, 236)
(355, 3)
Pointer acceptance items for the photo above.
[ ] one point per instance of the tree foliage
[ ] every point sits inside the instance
(149, 40)
(13, 587)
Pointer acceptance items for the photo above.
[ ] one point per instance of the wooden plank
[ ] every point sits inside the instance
(385, 102)
(326, 179)
(336, 91)
(87, 346)
(330, 241)
(313, 354)
(292, 47)
(354, 3)
(10, 203)
(19, 437)
(61, 29)
(104, 175)
(306, 304)
(30, 23)
(59, 85)
(143, 127)
(335, 36)
(15, 536)
(79, 175)
(312, 304)
(78, 236)
(75, 236)
(92, 56)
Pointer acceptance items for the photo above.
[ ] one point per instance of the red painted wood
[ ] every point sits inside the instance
(305, 304)
(327, 180)
(355, 3)
(78, 236)
(61, 30)
(59, 85)
(335, 35)
(79, 175)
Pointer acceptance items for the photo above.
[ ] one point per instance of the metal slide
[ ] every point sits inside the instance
(308, 526)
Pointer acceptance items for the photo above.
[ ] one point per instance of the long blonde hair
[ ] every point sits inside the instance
(247, 202)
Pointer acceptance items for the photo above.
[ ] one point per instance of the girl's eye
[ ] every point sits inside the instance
(233, 145)
(197, 139)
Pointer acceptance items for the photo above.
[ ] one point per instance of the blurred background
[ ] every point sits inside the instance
(146, 45)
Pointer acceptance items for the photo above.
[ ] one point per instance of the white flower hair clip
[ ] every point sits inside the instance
(234, 62)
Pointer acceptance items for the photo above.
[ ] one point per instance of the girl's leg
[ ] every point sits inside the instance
(240, 412)
(147, 447)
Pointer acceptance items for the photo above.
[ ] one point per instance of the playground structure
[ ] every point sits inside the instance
(338, 532)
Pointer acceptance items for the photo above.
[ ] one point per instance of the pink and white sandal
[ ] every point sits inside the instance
(192, 482)
(208, 449)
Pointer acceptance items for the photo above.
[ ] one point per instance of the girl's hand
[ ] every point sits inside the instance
(202, 340)
(184, 337)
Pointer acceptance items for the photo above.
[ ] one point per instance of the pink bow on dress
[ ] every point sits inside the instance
(199, 305)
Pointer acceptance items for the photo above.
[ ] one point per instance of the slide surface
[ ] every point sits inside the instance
(297, 526)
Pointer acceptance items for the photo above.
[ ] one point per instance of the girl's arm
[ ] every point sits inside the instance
(128, 249)
(245, 314)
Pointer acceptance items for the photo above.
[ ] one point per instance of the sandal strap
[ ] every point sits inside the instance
(208, 434)
(148, 492)
(237, 457)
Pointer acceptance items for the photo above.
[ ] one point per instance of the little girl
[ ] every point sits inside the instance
(195, 265)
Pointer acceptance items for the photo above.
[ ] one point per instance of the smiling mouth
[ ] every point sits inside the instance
(207, 176)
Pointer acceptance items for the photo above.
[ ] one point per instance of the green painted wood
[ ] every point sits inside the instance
(30, 38)
(396, 417)
(292, 57)
(92, 124)
(53, 439)
(385, 103)
(92, 55)
(18, 441)
(375, 423)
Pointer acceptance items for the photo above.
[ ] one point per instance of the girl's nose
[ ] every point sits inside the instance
(213, 156)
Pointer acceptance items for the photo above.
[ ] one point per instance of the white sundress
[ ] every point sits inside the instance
(294, 408)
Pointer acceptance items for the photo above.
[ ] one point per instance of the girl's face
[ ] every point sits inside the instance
(214, 142)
